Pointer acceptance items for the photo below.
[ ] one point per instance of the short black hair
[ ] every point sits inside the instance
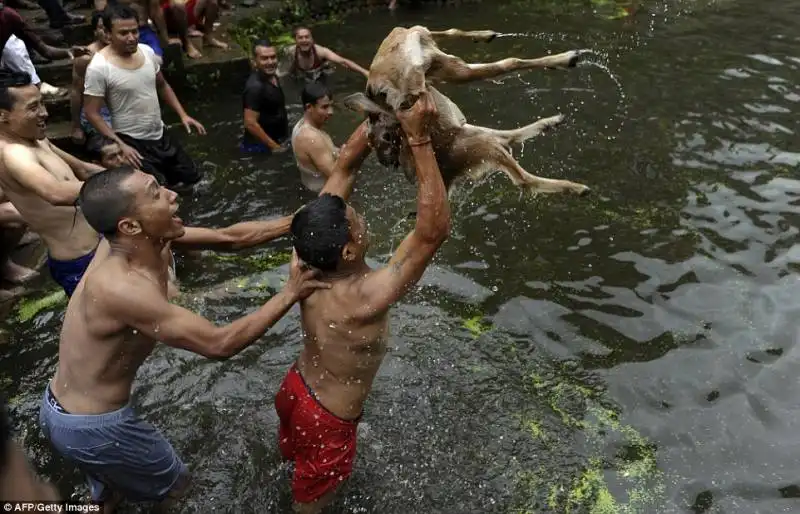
(299, 28)
(320, 230)
(118, 11)
(104, 201)
(96, 17)
(314, 92)
(8, 80)
(266, 43)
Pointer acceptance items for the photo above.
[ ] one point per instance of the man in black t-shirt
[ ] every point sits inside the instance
(266, 123)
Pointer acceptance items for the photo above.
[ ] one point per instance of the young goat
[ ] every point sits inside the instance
(406, 59)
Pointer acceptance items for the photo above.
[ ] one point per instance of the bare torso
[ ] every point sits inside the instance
(341, 355)
(98, 357)
(306, 139)
(62, 228)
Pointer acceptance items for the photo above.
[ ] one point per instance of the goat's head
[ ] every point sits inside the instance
(385, 132)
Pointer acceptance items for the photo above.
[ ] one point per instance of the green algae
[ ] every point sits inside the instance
(476, 325)
(258, 263)
(29, 308)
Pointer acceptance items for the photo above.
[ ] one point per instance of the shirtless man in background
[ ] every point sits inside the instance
(347, 326)
(306, 60)
(121, 309)
(314, 151)
(42, 181)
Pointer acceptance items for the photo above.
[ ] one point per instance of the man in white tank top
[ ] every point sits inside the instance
(314, 150)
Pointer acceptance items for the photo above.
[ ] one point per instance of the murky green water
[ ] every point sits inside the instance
(630, 352)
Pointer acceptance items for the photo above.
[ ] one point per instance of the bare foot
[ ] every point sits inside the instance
(193, 32)
(216, 43)
(192, 52)
(17, 274)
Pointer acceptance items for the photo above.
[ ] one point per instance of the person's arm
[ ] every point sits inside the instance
(327, 53)
(385, 286)
(171, 99)
(351, 157)
(82, 169)
(20, 162)
(142, 306)
(254, 128)
(76, 94)
(235, 237)
(20, 28)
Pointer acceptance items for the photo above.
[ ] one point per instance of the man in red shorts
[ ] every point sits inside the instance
(346, 327)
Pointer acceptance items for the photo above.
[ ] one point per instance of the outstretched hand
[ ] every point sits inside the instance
(417, 119)
(301, 281)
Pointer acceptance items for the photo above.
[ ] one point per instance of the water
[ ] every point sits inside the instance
(633, 351)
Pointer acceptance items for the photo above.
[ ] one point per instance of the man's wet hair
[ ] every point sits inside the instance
(265, 43)
(320, 230)
(11, 79)
(118, 11)
(104, 200)
(97, 16)
(314, 92)
(298, 28)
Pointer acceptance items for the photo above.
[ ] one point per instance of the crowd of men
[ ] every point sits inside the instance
(111, 226)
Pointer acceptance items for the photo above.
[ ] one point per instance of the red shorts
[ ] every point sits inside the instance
(322, 445)
(191, 19)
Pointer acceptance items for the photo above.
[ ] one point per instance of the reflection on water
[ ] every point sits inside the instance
(628, 352)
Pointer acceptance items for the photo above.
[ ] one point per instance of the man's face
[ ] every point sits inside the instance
(265, 59)
(154, 209)
(124, 37)
(111, 156)
(304, 40)
(322, 110)
(100, 33)
(28, 115)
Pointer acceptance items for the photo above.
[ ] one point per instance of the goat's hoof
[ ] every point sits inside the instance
(491, 37)
(583, 191)
(577, 57)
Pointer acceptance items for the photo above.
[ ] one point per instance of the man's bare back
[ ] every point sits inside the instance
(341, 354)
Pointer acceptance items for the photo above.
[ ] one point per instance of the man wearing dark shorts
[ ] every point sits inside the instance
(266, 123)
(128, 77)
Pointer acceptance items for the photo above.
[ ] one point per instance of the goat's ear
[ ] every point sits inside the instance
(360, 103)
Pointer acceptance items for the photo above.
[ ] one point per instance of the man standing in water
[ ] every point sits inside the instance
(266, 122)
(346, 327)
(42, 181)
(118, 312)
(308, 61)
(314, 151)
(126, 75)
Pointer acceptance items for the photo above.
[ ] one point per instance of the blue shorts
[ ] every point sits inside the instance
(254, 148)
(148, 36)
(117, 451)
(69, 273)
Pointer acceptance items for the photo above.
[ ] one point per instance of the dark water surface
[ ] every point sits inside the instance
(629, 352)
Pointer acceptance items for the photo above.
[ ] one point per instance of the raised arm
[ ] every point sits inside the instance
(327, 53)
(142, 306)
(235, 237)
(351, 157)
(21, 163)
(385, 286)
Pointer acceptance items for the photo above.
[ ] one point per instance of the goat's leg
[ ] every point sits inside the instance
(518, 135)
(451, 68)
(483, 36)
(503, 161)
